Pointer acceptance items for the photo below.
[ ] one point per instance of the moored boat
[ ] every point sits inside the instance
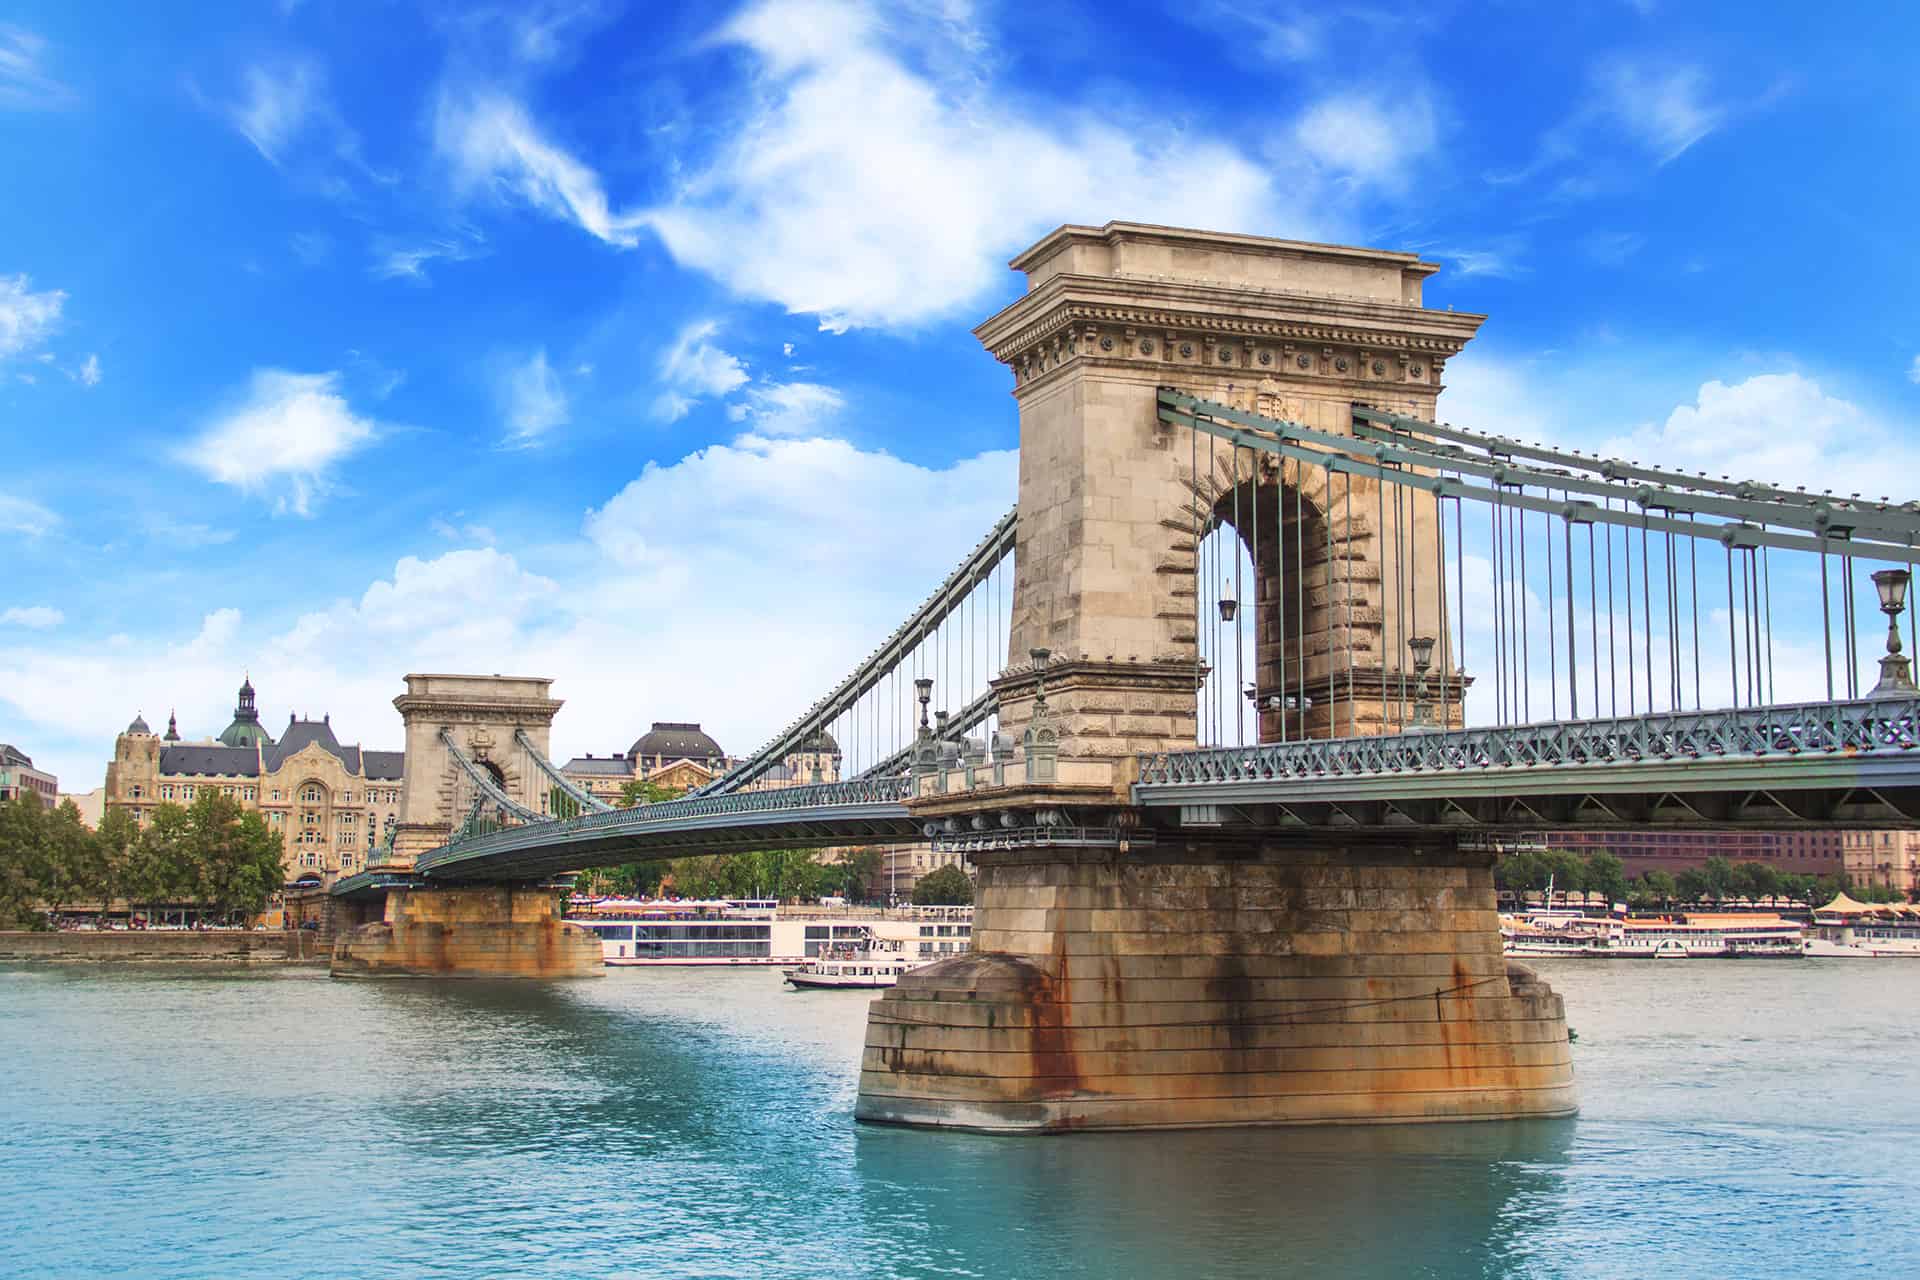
(879, 963)
(1850, 930)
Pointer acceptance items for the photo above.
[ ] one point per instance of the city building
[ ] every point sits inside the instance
(679, 756)
(330, 802)
(18, 777)
(91, 804)
(903, 865)
(1889, 858)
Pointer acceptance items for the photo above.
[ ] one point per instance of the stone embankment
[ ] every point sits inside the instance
(146, 946)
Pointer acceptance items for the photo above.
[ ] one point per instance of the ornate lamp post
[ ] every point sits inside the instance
(1422, 647)
(1229, 607)
(1896, 669)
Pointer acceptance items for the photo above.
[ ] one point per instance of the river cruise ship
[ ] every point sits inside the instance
(1849, 930)
(759, 931)
(878, 964)
(1694, 935)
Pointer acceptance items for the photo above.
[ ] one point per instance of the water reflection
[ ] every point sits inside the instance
(1316, 1201)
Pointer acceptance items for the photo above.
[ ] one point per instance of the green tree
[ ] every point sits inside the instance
(114, 845)
(1661, 887)
(1718, 877)
(235, 861)
(25, 870)
(1762, 880)
(946, 887)
(861, 877)
(1606, 875)
(1691, 885)
(646, 791)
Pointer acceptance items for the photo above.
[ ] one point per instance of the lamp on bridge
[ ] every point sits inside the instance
(1422, 647)
(923, 688)
(1228, 605)
(1896, 670)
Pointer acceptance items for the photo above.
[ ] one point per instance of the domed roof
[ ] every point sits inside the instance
(139, 724)
(675, 741)
(821, 743)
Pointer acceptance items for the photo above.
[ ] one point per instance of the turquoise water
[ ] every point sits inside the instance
(1739, 1119)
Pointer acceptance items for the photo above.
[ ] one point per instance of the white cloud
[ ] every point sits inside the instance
(89, 373)
(788, 408)
(26, 317)
(278, 100)
(398, 260)
(489, 140)
(34, 617)
(1366, 138)
(531, 400)
(283, 439)
(1782, 429)
(184, 534)
(1913, 370)
(1664, 107)
(858, 157)
(694, 369)
(25, 84)
(18, 515)
(686, 565)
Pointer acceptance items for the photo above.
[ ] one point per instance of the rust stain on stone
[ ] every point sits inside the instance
(1052, 1053)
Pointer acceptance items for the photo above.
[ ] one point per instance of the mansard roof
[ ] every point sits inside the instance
(301, 734)
(10, 754)
(387, 766)
(200, 760)
(599, 766)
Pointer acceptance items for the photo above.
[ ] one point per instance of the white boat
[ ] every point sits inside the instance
(1849, 930)
(758, 931)
(878, 964)
(1694, 935)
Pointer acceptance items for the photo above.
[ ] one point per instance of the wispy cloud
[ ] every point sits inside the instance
(26, 317)
(490, 141)
(34, 617)
(88, 374)
(1611, 248)
(532, 401)
(277, 102)
(22, 516)
(398, 259)
(1913, 370)
(282, 440)
(25, 83)
(185, 535)
(694, 369)
(1665, 107)
(788, 408)
(1370, 139)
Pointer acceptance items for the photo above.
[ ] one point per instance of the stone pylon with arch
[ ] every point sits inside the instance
(484, 716)
(1114, 502)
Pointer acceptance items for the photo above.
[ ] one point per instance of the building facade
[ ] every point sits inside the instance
(679, 756)
(331, 803)
(18, 778)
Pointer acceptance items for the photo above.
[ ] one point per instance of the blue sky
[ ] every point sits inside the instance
(628, 344)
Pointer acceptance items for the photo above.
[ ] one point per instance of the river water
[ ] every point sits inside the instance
(1747, 1119)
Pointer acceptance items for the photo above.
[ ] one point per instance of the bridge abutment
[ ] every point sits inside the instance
(469, 931)
(1348, 983)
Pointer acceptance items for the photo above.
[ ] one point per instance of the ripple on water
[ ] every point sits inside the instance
(697, 1123)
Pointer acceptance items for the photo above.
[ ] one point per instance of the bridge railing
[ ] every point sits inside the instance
(859, 791)
(1858, 726)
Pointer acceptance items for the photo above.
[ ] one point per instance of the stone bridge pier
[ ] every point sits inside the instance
(1125, 976)
(403, 927)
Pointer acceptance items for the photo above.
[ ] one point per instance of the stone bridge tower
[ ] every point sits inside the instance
(483, 715)
(1129, 972)
(1110, 496)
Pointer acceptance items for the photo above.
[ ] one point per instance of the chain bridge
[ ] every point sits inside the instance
(1225, 713)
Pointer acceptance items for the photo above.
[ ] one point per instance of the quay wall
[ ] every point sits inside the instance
(147, 946)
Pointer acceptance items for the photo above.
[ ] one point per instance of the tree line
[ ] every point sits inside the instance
(212, 853)
(1718, 880)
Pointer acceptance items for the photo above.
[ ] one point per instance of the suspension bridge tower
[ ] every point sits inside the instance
(1221, 972)
(471, 746)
